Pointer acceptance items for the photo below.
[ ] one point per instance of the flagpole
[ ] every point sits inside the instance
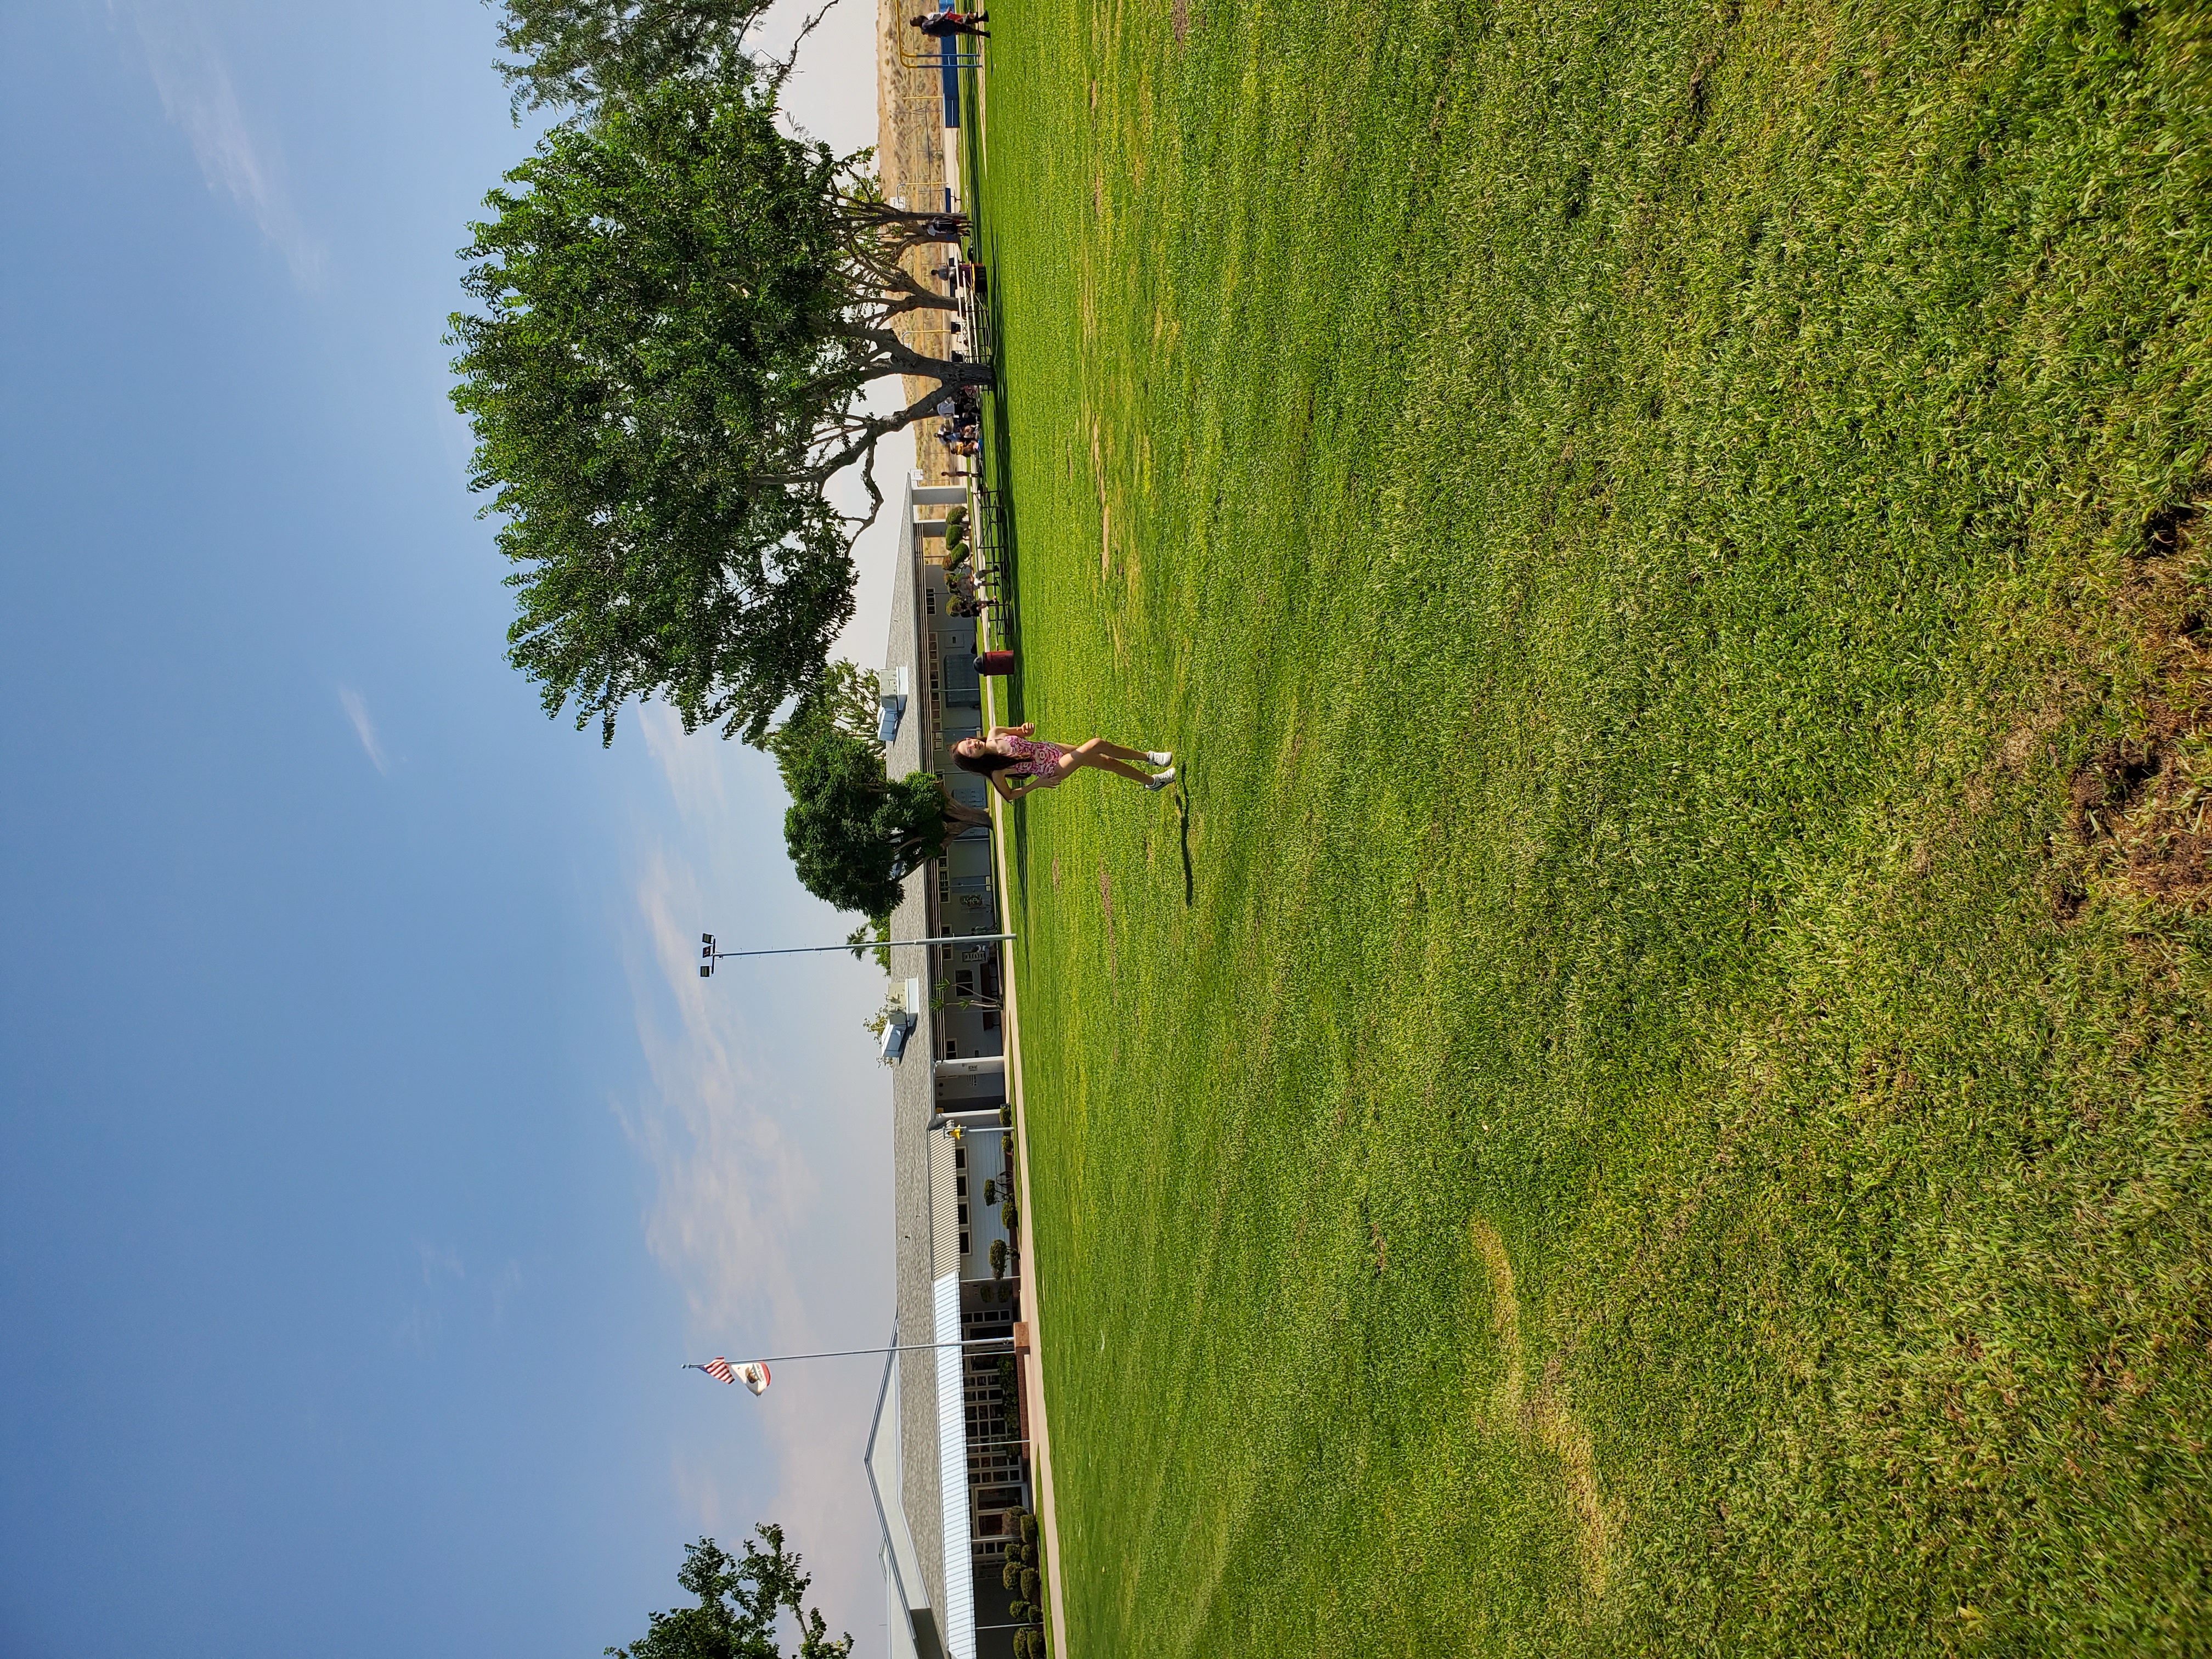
(850, 1353)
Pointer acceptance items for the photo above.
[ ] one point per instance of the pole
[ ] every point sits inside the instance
(868, 944)
(849, 1353)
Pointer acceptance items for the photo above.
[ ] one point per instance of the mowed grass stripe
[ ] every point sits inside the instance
(1665, 1120)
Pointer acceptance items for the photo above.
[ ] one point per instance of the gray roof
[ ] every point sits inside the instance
(913, 1095)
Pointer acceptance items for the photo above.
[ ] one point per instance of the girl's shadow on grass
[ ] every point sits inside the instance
(1183, 812)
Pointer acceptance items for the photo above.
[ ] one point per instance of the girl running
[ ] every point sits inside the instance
(1009, 751)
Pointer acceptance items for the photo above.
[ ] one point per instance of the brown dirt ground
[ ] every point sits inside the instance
(2144, 806)
(910, 162)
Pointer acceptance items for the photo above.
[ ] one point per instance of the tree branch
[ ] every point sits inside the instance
(780, 69)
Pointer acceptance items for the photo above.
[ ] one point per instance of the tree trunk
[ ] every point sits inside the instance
(900, 358)
(968, 817)
(919, 298)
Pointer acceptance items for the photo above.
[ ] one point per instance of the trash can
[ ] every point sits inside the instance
(994, 662)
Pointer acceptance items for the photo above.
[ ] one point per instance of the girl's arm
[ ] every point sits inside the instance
(1030, 785)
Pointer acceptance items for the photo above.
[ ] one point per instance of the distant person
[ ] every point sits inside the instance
(1010, 752)
(952, 22)
(956, 272)
(968, 596)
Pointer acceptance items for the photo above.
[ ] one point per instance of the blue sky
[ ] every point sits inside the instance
(371, 1154)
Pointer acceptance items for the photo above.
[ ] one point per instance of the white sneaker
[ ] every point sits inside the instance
(1159, 756)
(1160, 779)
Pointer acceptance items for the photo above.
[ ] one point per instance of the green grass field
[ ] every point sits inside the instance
(1655, 1098)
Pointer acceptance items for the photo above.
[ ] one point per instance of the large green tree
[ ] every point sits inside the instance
(741, 1601)
(682, 306)
(578, 54)
(853, 832)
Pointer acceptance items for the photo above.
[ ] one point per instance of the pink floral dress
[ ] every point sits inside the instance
(1035, 758)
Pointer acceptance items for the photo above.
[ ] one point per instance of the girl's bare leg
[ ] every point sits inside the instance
(1093, 754)
(1115, 752)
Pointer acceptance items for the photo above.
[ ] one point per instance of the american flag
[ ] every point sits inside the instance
(753, 1373)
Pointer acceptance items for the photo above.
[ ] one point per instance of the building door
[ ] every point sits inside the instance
(963, 688)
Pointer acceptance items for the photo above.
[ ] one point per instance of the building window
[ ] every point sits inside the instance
(960, 1185)
(963, 1243)
(963, 1215)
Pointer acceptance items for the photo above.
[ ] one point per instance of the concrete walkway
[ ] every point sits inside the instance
(1033, 1415)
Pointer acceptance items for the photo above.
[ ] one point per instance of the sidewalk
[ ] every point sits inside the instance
(1033, 1415)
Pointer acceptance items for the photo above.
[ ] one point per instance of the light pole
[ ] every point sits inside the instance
(711, 956)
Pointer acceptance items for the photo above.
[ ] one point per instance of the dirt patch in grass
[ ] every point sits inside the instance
(1179, 21)
(2141, 804)
(1106, 904)
(1542, 1416)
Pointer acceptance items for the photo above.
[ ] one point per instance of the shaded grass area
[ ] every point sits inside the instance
(1665, 1109)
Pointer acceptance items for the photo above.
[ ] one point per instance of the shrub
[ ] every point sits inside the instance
(990, 1192)
(1006, 1113)
(1027, 1644)
(998, 1258)
(1027, 1526)
(1022, 1611)
(1011, 1578)
(1010, 1213)
(1030, 1584)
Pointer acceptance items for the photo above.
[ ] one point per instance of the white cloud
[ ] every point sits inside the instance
(364, 728)
(761, 1217)
(730, 1183)
(694, 762)
(198, 94)
(439, 1264)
